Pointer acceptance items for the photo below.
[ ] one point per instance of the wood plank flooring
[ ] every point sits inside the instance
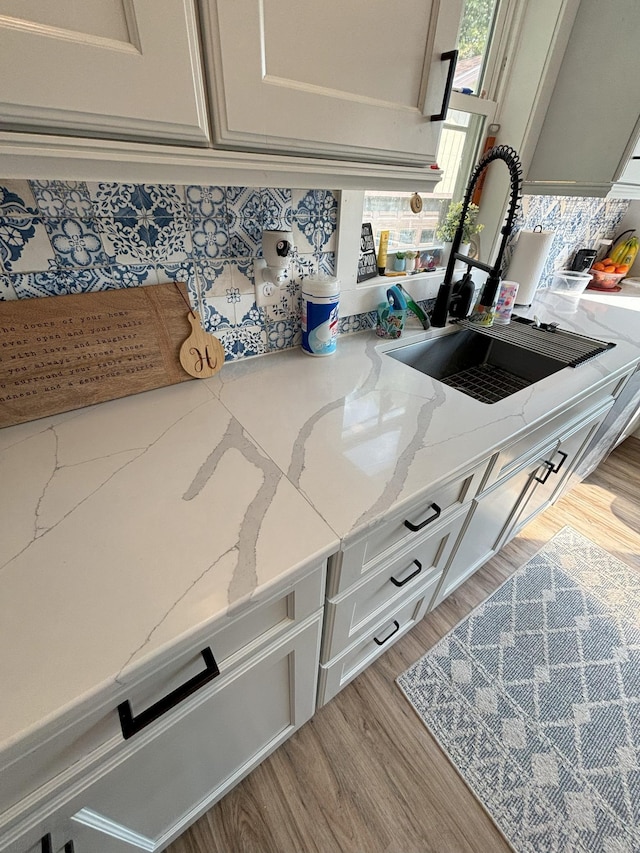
(364, 775)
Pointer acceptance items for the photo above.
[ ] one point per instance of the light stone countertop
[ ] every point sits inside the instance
(128, 525)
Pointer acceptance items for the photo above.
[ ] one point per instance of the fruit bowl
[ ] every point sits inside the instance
(606, 280)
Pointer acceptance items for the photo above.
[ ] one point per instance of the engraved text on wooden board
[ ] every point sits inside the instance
(62, 352)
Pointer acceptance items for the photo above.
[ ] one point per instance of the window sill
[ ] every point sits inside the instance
(367, 295)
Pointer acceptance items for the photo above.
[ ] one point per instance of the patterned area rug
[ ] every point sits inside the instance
(535, 698)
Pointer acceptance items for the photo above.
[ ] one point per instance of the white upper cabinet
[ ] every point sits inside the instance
(586, 144)
(357, 80)
(113, 68)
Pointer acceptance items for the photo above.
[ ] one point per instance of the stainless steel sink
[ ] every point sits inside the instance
(481, 367)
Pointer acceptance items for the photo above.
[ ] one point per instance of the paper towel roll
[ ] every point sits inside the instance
(527, 263)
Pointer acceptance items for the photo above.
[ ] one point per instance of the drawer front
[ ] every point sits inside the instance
(99, 733)
(343, 669)
(381, 543)
(383, 590)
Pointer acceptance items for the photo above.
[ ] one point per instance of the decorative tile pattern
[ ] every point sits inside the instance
(210, 238)
(16, 200)
(283, 334)
(135, 275)
(62, 198)
(205, 202)
(76, 242)
(245, 236)
(245, 203)
(216, 314)
(15, 233)
(24, 245)
(7, 291)
(357, 323)
(535, 697)
(276, 209)
(578, 223)
(315, 220)
(244, 342)
(62, 282)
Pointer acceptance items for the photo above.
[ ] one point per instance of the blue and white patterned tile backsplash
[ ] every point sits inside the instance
(63, 237)
(577, 222)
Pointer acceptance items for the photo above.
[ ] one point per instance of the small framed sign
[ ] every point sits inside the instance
(367, 265)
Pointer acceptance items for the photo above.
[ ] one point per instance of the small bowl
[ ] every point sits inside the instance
(606, 279)
(570, 282)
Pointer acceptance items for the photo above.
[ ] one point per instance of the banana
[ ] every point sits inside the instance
(619, 252)
(630, 250)
(625, 253)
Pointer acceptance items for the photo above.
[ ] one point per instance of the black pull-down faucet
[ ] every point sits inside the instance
(447, 298)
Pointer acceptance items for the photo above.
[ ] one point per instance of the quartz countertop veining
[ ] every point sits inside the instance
(128, 525)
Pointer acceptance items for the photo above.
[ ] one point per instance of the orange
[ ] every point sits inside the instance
(609, 268)
(598, 266)
(607, 262)
(623, 268)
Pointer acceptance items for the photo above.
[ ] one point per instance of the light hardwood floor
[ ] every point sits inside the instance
(364, 775)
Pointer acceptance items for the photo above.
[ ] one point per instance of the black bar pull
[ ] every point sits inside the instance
(547, 473)
(411, 576)
(46, 844)
(386, 639)
(450, 56)
(415, 527)
(132, 725)
(557, 467)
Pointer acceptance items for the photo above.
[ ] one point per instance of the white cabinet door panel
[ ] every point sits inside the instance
(163, 786)
(115, 68)
(358, 79)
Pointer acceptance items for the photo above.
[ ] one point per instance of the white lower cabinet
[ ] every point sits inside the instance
(488, 524)
(200, 722)
(505, 507)
(157, 791)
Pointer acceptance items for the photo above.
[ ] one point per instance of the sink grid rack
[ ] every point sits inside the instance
(569, 348)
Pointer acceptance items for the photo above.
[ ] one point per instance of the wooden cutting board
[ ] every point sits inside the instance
(63, 352)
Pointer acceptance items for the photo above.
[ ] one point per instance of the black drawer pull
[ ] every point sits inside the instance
(68, 847)
(450, 56)
(415, 527)
(547, 473)
(557, 467)
(386, 639)
(411, 576)
(46, 844)
(132, 725)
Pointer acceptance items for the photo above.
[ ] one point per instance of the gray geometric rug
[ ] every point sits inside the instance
(535, 698)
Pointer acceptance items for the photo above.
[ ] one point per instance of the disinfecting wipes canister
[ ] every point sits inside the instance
(320, 298)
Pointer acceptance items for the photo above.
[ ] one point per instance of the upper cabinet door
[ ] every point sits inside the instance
(592, 122)
(357, 79)
(114, 68)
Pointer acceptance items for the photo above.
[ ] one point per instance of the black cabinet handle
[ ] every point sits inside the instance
(386, 639)
(411, 576)
(557, 467)
(450, 56)
(547, 473)
(132, 725)
(47, 847)
(415, 527)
